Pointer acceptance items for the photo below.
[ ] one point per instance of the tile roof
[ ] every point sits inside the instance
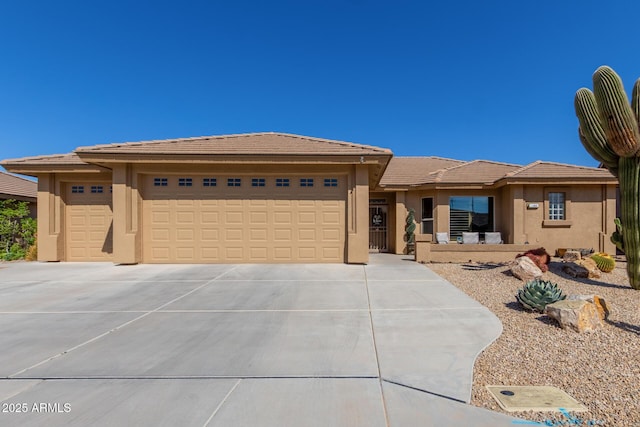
(53, 159)
(12, 185)
(475, 172)
(540, 169)
(266, 143)
(405, 171)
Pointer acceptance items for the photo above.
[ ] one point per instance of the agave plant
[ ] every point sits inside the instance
(537, 294)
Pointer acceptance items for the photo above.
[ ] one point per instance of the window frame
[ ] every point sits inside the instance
(258, 182)
(424, 218)
(307, 182)
(185, 182)
(548, 221)
(160, 182)
(209, 182)
(491, 202)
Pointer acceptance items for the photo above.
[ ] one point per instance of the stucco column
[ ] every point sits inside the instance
(401, 214)
(358, 237)
(518, 212)
(50, 224)
(608, 215)
(126, 233)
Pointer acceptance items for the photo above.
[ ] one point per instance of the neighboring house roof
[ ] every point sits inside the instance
(405, 171)
(267, 143)
(15, 186)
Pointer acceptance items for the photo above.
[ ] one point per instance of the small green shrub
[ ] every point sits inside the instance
(17, 230)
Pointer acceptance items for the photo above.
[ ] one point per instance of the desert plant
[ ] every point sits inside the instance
(609, 132)
(17, 229)
(538, 293)
(410, 227)
(604, 261)
(32, 252)
(616, 237)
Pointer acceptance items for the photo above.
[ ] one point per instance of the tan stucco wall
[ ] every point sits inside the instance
(127, 200)
(592, 209)
(51, 210)
(127, 194)
(358, 216)
(590, 214)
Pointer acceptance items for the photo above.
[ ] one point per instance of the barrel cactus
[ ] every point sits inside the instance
(609, 132)
(605, 262)
(538, 293)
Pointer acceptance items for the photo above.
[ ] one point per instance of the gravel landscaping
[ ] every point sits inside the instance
(600, 369)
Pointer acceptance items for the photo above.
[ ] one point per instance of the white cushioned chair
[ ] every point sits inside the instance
(442, 238)
(470, 238)
(493, 238)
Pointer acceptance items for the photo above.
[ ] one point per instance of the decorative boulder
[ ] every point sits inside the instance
(585, 267)
(539, 256)
(597, 300)
(570, 256)
(525, 269)
(577, 315)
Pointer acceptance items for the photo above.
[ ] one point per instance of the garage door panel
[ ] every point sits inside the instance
(233, 234)
(243, 224)
(210, 235)
(258, 235)
(88, 222)
(282, 234)
(234, 217)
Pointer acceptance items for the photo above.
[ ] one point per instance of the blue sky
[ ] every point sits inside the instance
(462, 79)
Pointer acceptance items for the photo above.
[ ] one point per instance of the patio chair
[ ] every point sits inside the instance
(470, 238)
(442, 238)
(493, 238)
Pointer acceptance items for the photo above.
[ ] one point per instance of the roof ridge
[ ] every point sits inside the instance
(523, 168)
(431, 157)
(229, 136)
(540, 162)
(495, 162)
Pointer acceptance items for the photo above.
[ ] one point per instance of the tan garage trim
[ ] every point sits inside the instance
(243, 218)
(88, 221)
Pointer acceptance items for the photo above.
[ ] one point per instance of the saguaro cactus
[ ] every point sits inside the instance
(609, 132)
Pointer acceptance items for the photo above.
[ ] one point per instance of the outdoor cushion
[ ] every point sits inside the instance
(470, 238)
(442, 238)
(492, 238)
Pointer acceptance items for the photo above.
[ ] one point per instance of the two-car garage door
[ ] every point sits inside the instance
(203, 219)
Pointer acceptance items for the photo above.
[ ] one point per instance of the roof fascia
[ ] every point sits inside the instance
(34, 170)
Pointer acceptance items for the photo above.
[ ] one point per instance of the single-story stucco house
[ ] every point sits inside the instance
(14, 187)
(275, 197)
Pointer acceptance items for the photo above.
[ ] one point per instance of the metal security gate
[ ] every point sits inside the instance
(378, 237)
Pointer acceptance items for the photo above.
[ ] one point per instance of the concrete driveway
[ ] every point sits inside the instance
(386, 344)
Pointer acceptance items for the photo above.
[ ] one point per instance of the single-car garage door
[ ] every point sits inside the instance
(205, 219)
(88, 222)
